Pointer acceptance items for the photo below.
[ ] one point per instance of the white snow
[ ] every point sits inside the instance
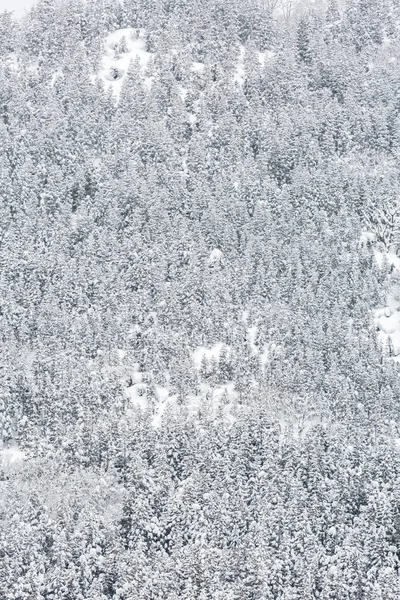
(252, 336)
(18, 7)
(367, 237)
(183, 93)
(58, 74)
(11, 456)
(388, 322)
(162, 393)
(390, 257)
(264, 56)
(198, 67)
(210, 353)
(137, 395)
(164, 400)
(387, 318)
(214, 399)
(121, 354)
(115, 64)
(215, 257)
(240, 70)
(239, 74)
(268, 349)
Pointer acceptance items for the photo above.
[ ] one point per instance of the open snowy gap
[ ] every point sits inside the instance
(197, 67)
(58, 74)
(266, 350)
(387, 318)
(240, 72)
(210, 399)
(210, 354)
(11, 458)
(387, 321)
(121, 48)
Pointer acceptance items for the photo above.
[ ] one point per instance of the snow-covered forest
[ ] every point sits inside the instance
(200, 300)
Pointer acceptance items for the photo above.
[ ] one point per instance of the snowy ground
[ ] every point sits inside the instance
(387, 318)
(125, 46)
(264, 351)
(210, 399)
(122, 47)
(239, 75)
(11, 458)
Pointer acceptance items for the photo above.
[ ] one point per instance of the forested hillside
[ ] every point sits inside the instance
(199, 227)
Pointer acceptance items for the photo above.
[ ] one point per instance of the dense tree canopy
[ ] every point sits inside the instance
(209, 193)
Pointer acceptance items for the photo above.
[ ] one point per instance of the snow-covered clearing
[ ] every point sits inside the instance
(216, 257)
(387, 321)
(265, 350)
(210, 399)
(11, 458)
(240, 72)
(197, 67)
(387, 318)
(210, 354)
(56, 75)
(121, 48)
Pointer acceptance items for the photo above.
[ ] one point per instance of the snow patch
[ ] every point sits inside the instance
(239, 74)
(137, 395)
(251, 337)
(183, 93)
(390, 257)
(387, 319)
(216, 257)
(56, 76)
(121, 354)
(264, 56)
(197, 67)
(367, 237)
(210, 353)
(11, 456)
(214, 400)
(164, 400)
(121, 48)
